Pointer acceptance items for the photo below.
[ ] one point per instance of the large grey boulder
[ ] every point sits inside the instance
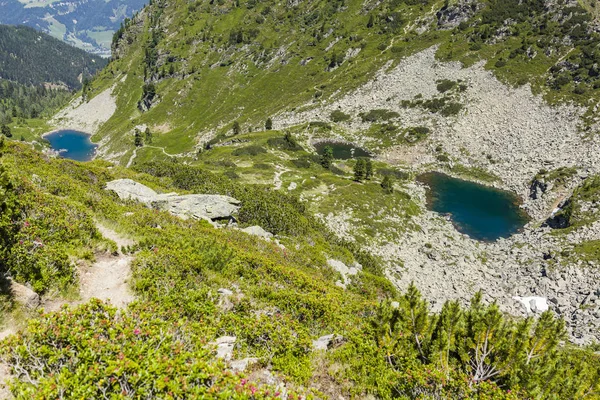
(128, 189)
(197, 206)
(257, 231)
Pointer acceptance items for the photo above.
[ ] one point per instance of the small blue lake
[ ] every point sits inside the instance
(341, 150)
(482, 212)
(72, 144)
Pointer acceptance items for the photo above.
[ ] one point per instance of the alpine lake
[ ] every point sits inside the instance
(482, 212)
(72, 144)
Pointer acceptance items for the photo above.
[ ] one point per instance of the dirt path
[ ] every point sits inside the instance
(133, 156)
(277, 182)
(4, 376)
(106, 279)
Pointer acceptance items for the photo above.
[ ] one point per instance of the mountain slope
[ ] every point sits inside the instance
(33, 58)
(221, 313)
(501, 92)
(88, 25)
(207, 64)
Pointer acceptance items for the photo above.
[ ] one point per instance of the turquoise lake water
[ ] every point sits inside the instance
(72, 144)
(342, 151)
(482, 212)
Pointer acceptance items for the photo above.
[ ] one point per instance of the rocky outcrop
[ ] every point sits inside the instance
(451, 15)
(533, 304)
(225, 346)
(345, 271)
(327, 342)
(23, 295)
(198, 206)
(561, 217)
(537, 189)
(257, 231)
(128, 189)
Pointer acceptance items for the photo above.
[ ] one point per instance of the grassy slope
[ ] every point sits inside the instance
(257, 83)
(289, 298)
(217, 80)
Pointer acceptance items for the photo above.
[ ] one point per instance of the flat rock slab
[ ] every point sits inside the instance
(257, 231)
(225, 346)
(197, 206)
(128, 189)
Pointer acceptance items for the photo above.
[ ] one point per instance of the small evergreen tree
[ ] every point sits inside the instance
(138, 141)
(368, 169)
(236, 128)
(269, 124)
(148, 135)
(387, 185)
(371, 21)
(327, 157)
(5, 130)
(359, 170)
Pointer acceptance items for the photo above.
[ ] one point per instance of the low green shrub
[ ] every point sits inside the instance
(378, 115)
(339, 116)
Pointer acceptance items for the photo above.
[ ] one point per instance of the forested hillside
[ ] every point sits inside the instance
(88, 25)
(19, 101)
(30, 57)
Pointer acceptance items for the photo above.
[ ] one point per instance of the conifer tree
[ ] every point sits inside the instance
(359, 170)
(417, 318)
(148, 135)
(138, 141)
(236, 128)
(387, 185)
(444, 338)
(368, 169)
(269, 124)
(371, 21)
(327, 157)
(5, 130)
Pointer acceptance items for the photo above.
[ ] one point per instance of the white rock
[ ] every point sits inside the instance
(23, 295)
(257, 231)
(533, 304)
(224, 292)
(197, 206)
(344, 270)
(324, 342)
(241, 365)
(128, 189)
(225, 345)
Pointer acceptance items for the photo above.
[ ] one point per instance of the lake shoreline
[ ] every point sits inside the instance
(72, 144)
(484, 213)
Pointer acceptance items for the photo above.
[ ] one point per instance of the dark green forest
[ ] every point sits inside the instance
(22, 101)
(33, 58)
